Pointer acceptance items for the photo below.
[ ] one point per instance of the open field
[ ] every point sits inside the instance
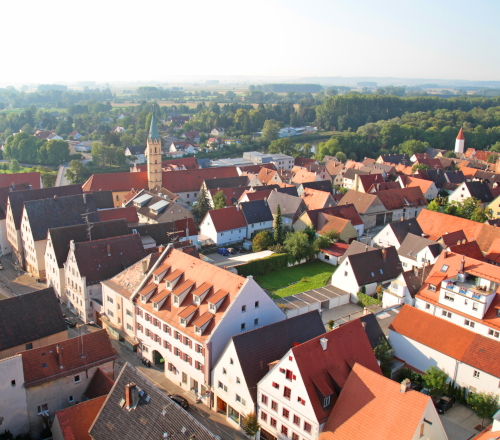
(309, 276)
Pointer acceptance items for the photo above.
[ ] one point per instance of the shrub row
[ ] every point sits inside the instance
(366, 300)
(264, 265)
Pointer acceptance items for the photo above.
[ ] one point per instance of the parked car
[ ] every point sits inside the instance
(445, 403)
(181, 401)
(232, 250)
(70, 322)
(223, 251)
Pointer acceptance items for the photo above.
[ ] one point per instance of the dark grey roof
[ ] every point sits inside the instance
(136, 150)
(355, 247)
(454, 177)
(351, 173)
(256, 211)
(29, 317)
(402, 228)
(226, 182)
(154, 415)
(18, 198)
(256, 349)
(60, 237)
(414, 278)
(412, 244)
(396, 158)
(161, 215)
(158, 232)
(371, 267)
(59, 211)
(321, 185)
(290, 190)
(290, 206)
(488, 177)
(433, 152)
(103, 199)
(480, 191)
(437, 176)
(372, 329)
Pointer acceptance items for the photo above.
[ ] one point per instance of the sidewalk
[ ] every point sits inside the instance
(216, 423)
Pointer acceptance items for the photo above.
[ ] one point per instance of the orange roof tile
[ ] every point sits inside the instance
(412, 182)
(461, 134)
(494, 251)
(226, 219)
(328, 222)
(200, 290)
(301, 175)
(188, 311)
(214, 299)
(203, 319)
(401, 198)
(372, 407)
(75, 421)
(315, 199)
(116, 182)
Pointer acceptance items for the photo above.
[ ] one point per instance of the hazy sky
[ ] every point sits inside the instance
(63, 41)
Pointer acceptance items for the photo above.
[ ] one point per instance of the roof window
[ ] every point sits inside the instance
(444, 268)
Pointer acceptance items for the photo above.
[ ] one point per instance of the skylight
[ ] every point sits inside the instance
(444, 268)
(373, 274)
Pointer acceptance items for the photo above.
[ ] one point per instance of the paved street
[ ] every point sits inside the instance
(14, 282)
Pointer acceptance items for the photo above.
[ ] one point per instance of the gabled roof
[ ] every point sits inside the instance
(18, 198)
(454, 177)
(362, 201)
(189, 163)
(346, 345)
(76, 420)
(30, 317)
(470, 249)
(32, 179)
(226, 219)
(290, 206)
(334, 167)
(266, 175)
(304, 161)
(373, 267)
(116, 182)
(480, 191)
(433, 152)
(226, 182)
(414, 278)
(97, 265)
(412, 182)
(59, 211)
(315, 199)
(4, 194)
(256, 212)
(191, 180)
(154, 415)
(60, 237)
(372, 407)
(234, 194)
(301, 175)
(403, 228)
(256, 349)
(320, 185)
(129, 214)
(493, 254)
(413, 244)
(352, 172)
(41, 364)
(395, 158)
(103, 199)
(354, 248)
(402, 198)
(347, 212)
(159, 232)
(455, 341)
(368, 180)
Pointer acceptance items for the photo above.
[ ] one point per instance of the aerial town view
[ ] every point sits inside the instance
(304, 245)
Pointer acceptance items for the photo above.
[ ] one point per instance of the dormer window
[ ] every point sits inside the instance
(432, 287)
(197, 300)
(155, 306)
(176, 300)
(212, 307)
(183, 322)
(197, 330)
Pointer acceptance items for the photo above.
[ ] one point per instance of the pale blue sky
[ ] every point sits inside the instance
(61, 41)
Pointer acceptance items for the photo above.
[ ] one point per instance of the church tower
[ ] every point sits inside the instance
(460, 143)
(153, 151)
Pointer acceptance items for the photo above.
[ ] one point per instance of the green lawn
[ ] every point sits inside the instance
(316, 274)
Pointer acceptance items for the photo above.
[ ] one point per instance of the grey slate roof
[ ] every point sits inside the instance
(158, 232)
(258, 348)
(414, 280)
(60, 211)
(18, 198)
(29, 317)
(60, 237)
(412, 244)
(355, 247)
(433, 152)
(480, 191)
(154, 415)
(321, 185)
(372, 329)
(226, 182)
(396, 158)
(256, 211)
(403, 228)
(351, 173)
(371, 267)
(103, 199)
(454, 177)
(290, 206)
(136, 150)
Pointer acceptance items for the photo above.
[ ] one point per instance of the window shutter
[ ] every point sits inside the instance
(165, 328)
(170, 347)
(169, 331)
(140, 312)
(137, 326)
(202, 369)
(203, 351)
(290, 358)
(181, 354)
(159, 340)
(294, 377)
(190, 360)
(190, 344)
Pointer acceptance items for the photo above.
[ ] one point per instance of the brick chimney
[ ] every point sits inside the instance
(405, 385)
(128, 394)
(144, 266)
(384, 254)
(59, 352)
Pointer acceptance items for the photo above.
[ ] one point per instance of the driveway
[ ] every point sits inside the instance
(460, 422)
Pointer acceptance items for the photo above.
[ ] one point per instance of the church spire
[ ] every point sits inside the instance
(153, 130)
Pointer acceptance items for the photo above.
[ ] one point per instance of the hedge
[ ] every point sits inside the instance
(264, 265)
(365, 300)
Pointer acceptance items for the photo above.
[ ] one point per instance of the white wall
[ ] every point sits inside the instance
(14, 408)
(4, 241)
(258, 227)
(386, 238)
(434, 430)
(219, 238)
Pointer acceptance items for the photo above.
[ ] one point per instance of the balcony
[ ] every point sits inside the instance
(476, 293)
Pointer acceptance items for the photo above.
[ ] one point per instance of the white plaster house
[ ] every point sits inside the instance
(417, 251)
(422, 340)
(394, 233)
(298, 395)
(247, 358)
(224, 226)
(403, 289)
(479, 190)
(258, 217)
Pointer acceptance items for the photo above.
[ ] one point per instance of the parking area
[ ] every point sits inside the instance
(460, 422)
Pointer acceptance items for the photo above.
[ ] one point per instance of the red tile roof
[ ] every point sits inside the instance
(301, 175)
(372, 407)
(191, 180)
(494, 252)
(32, 179)
(99, 385)
(470, 249)
(188, 162)
(75, 421)
(315, 199)
(412, 182)
(116, 182)
(346, 345)
(336, 249)
(401, 198)
(367, 180)
(347, 211)
(41, 365)
(226, 219)
(255, 195)
(461, 134)
(129, 214)
(186, 227)
(304, 162)
(230, 193)
(455, 341)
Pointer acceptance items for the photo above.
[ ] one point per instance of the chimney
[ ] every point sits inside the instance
(405, 385)
(59, 351)
(128, 395)
(161, 248)
(84, 198)
(415, 270)
(13, 185)
(446, 253)
(324, 343)
(462, 265)
(108, 249)
(144, 266)
(238, 207)
(55, 198)
(366, 248)
(384, 254)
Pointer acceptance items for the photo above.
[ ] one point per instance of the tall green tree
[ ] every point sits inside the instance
(435, 380)
(202, 206)
(14, 166)
(219, 200)
(75, 172)
(278, 226)
(262, 241)
(57, 151)
(383, 354)
(283, 146)
(485, 405)
(298, 247)
(270, 130)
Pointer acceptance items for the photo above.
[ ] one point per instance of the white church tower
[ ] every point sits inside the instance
(460, 143)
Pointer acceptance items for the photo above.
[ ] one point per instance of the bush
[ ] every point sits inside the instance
(365, 300)
(264, 265)
(77, 156)
(331, 323)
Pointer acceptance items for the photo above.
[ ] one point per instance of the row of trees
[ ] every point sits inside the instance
(470, 209)
(25, 148)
